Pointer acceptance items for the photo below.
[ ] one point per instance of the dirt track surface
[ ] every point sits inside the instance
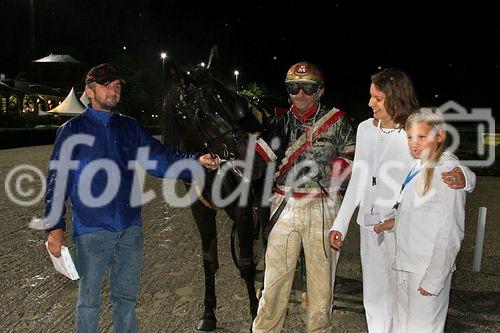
(35, 298)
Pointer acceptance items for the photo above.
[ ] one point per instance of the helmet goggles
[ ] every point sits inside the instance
(309, 88)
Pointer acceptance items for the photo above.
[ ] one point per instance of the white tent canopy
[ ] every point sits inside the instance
(71, 106)
(57, 58)
(85, 99)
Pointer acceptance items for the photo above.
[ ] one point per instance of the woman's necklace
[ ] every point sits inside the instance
(387, 131)
(384, 132)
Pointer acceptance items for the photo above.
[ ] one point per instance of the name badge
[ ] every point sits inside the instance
(371, 219)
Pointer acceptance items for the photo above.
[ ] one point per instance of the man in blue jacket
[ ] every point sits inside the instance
(93, 163)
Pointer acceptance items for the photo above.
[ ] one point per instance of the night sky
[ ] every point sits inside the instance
(450, 51)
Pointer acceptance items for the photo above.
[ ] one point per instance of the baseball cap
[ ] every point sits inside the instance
(103, 73)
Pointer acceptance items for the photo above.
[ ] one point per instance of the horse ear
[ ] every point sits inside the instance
(213, 57)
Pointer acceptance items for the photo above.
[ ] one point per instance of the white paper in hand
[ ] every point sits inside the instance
(380, 238)
(64, 264)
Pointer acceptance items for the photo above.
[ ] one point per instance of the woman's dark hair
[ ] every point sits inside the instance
(400, 97)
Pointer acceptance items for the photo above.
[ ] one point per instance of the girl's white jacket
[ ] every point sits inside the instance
(429, 229)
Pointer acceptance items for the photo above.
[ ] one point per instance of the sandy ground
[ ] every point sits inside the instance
(34, 298)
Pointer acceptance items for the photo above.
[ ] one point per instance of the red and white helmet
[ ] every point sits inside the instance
(305, 72)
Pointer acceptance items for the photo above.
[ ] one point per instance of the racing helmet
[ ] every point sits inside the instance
(305, 72)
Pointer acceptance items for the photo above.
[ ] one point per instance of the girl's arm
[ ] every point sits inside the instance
(383, 226)
(449, 236)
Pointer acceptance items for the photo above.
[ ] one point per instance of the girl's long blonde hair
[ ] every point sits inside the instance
(434, 119)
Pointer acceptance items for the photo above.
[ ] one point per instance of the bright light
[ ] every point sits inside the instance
(163, 56)
(124, 47)
(236, 73)
(188, 73)
(202, 64)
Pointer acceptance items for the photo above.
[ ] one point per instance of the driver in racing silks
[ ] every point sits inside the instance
(313, 154)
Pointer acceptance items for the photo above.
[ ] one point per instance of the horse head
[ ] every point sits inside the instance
(207, 116)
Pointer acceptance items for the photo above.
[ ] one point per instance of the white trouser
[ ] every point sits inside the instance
(417, 313)
(301, 224)
(378, 280)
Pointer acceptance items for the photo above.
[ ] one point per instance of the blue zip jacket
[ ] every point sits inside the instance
(116, 139)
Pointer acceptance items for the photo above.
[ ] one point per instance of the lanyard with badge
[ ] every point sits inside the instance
(411, 175)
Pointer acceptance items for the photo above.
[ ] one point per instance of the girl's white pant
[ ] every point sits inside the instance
(417, 313)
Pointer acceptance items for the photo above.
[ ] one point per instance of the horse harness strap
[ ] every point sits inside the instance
(206, 137)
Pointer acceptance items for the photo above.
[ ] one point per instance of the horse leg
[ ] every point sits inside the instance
(205, 221)
(244, 227)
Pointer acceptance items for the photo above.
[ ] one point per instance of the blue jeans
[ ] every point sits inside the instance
(121, 254)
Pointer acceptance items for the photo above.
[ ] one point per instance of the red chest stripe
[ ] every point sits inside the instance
(322, 128)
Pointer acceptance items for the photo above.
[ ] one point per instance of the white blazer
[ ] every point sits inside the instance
(429, 229)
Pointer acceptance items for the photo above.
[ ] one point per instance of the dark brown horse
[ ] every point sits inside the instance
(201, 114)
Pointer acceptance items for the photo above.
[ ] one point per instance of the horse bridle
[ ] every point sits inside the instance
(227, 156)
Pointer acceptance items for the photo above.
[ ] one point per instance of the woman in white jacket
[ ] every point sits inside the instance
(429, 229)
(380, 165)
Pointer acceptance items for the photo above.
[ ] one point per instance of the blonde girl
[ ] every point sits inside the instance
(428, 230)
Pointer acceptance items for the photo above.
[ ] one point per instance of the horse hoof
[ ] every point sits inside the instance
(207, 325)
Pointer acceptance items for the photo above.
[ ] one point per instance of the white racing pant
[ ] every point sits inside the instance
(378, 281)
(303, 223)
(417, 313)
